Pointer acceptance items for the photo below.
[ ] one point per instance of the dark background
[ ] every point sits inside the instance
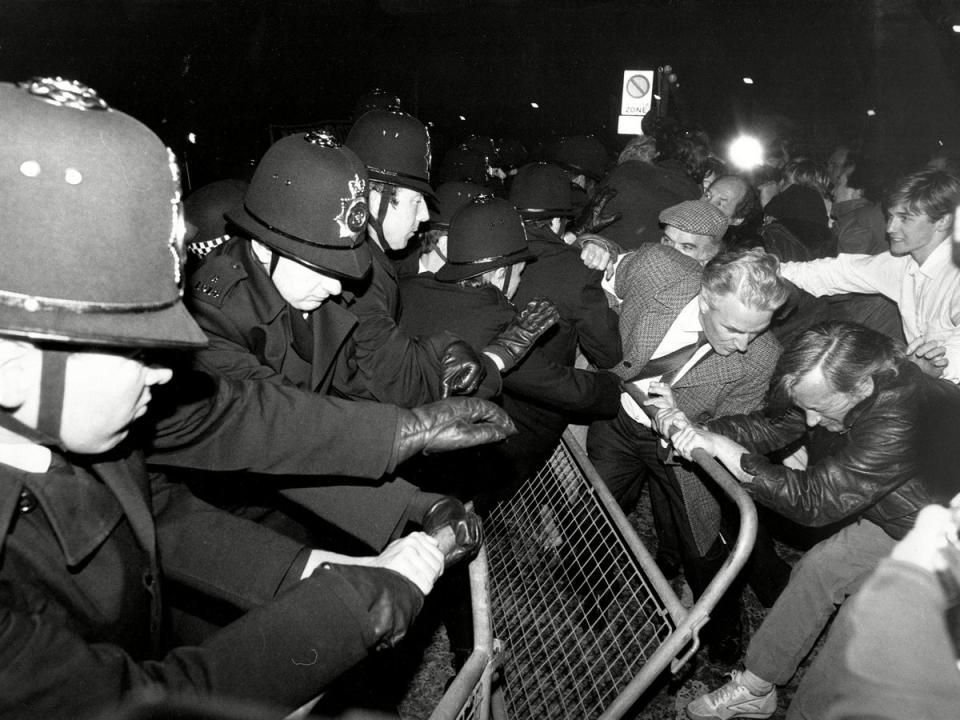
(227, 70)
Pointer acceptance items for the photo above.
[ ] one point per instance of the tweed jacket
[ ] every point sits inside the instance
(655, 283)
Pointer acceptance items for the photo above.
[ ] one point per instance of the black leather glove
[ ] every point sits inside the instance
(390, 600)
(593, 218)
(515, 340)
(462, 369)
(449, 425)
(458, 530)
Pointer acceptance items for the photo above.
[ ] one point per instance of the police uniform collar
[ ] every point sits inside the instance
(81, 510)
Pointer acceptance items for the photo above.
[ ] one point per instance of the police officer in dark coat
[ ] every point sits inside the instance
(470, 295)
(541, 193)
(262, 298)
(388, 364)
(90, 294)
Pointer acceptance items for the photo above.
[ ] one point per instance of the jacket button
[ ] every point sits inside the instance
(148, 580)
(27, 502)
(627, 363)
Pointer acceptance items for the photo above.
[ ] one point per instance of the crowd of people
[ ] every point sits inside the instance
(244, 434)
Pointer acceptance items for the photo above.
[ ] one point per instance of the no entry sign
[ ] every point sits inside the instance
(637, 92)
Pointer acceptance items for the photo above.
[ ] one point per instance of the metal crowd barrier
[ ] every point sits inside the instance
(572, 617)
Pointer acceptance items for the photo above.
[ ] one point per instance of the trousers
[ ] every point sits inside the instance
(823, 578)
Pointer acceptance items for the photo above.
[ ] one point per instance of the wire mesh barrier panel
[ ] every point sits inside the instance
(577, 615)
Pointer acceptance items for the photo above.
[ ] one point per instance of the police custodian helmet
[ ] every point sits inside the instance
(484, 235)
(395, 147)
(91, 224)
(307, 201)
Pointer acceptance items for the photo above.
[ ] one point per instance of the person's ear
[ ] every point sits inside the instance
(944, 224)
(19, 373)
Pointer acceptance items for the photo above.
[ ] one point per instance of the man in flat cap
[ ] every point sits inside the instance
(694, 228)
(695, 336)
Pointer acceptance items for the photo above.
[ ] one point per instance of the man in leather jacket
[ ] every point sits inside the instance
(880, 447)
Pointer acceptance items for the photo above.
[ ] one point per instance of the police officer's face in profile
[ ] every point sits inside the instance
(103, 394)
(407, 210)
(302, 287)
(730, 326)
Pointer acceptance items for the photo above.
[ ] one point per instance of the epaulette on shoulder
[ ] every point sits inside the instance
(213, 281)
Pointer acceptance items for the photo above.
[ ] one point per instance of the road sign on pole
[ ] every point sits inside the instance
(637, 92)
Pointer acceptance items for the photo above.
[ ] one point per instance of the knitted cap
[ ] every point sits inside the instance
(697, 217)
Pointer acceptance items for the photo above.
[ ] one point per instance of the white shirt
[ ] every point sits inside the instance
(25, 456)
(927, 295)
(684, 331)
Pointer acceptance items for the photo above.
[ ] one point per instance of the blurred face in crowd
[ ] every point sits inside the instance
(701, 248)
(843, 192)
(822, 405)
(726, 194)
(836, 163)
(768, 191)
(914, 234)
(104, 393)
(407, 210)
(730, 326)
(302, 287)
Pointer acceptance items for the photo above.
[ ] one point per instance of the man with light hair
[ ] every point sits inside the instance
(916, 272)
(694, 336)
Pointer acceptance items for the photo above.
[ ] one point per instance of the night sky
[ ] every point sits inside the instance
(226, 70)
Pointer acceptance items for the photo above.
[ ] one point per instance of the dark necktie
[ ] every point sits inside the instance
(667, 366)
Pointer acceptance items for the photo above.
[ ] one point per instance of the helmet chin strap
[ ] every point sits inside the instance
(52, 383)
(386, 197)
(508, 274)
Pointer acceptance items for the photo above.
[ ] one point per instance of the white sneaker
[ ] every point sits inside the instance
(733, 700)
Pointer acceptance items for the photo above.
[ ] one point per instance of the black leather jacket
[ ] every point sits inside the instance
(898, 453)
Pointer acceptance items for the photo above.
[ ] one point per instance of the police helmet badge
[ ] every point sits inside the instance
(353, 209)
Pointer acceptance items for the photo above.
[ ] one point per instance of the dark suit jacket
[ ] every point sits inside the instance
(655, 283)
(586, 318)
(643, 191)
(541, 395)
(392, 365)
